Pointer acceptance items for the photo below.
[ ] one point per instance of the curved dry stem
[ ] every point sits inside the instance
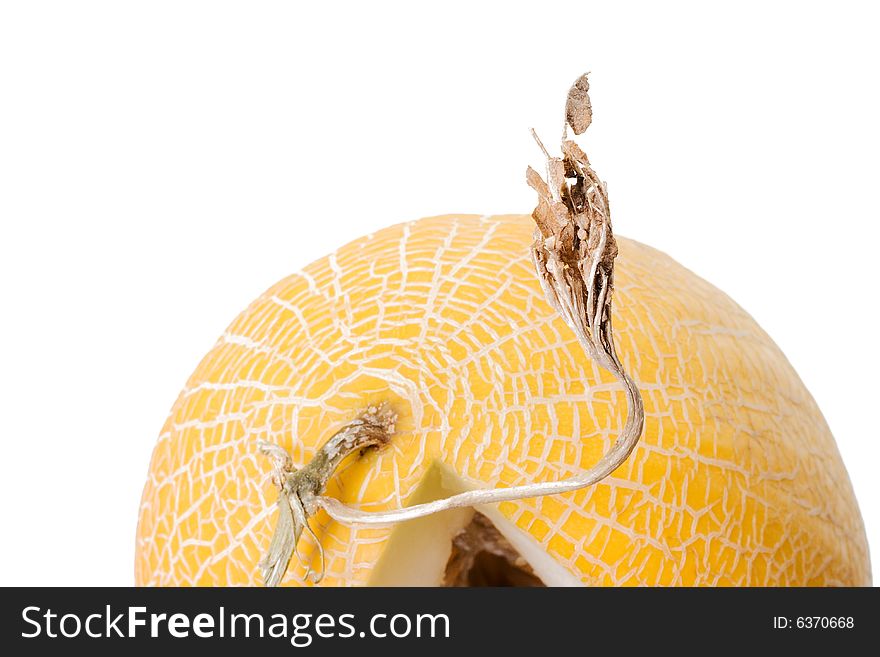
(618, 453)
(573, 254)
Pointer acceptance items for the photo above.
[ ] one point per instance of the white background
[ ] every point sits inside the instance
(162, 163)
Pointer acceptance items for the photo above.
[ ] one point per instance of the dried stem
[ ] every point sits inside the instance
(299, 489)
(573, 253)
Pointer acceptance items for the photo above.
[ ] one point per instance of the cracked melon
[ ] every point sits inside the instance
(736, 480)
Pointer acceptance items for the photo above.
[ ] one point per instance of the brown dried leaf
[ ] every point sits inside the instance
(578, 111)
(543, 217)
(571, 150)
(556, 173)
(536, 182)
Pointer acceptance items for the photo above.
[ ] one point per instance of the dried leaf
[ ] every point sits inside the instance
(572, 151)
(556, 173)
(578, 111)
(536, 182)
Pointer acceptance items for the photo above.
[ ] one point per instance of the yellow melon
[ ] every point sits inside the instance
(736, 480)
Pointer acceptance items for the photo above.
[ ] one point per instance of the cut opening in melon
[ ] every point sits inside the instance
(463, 547)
